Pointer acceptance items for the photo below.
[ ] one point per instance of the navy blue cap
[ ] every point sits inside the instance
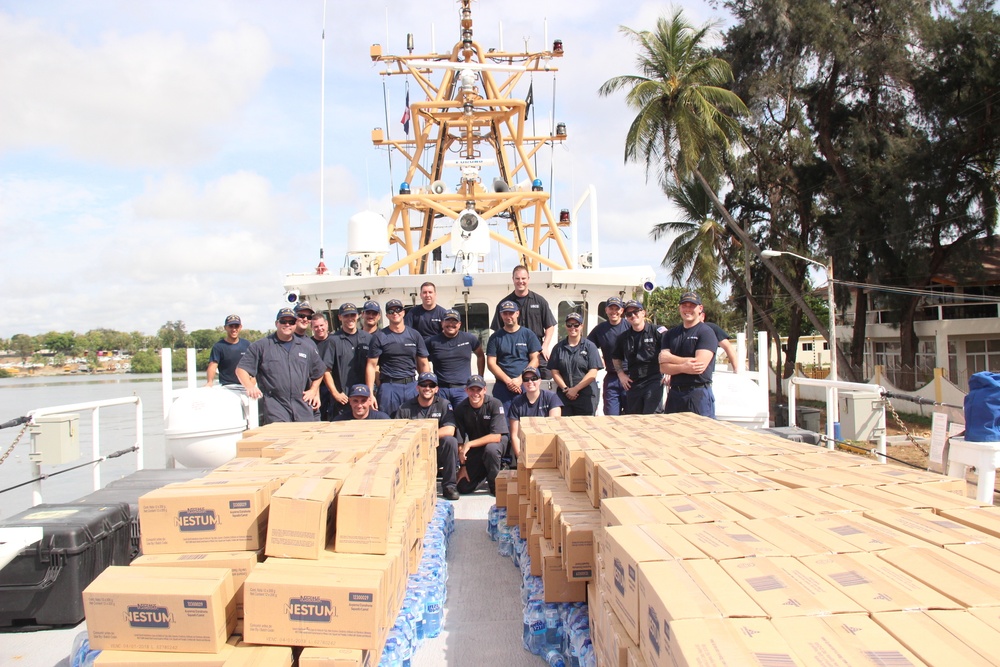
(452, 314)
(372, 306)
(476, 381)
(690, 297)
(613, 301)
(530, 370)
(575, 317)
(347, 309)
(285, 312)
(427, 377)
(233, 319)
(633, 304)
(509, 307)
(360, 390)
(304, 305)
(393, 303)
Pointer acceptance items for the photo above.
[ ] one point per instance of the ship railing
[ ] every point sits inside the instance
(94, 407)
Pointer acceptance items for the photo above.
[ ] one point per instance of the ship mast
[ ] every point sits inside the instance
(473, 130)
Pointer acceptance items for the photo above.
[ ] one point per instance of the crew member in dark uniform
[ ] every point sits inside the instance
(348, 350)
(398, 353)
(574, 364)
(430, 405)
(426, 317)
(360, 406)
(532, 402)
(688, 357)
(451, 354)
(508, 352)
(483, 432)
(285, 371)
(226, 354)
(605, 335)
(536, 316)
(638, 351)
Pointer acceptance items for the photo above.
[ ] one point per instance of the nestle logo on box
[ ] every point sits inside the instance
(360, 597)
(196, 519)
(310, 609)
(195, 604)
(239, 504)
(148, 616)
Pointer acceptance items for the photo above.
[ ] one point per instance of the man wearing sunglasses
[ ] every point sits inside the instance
(360, 406)
(349, 351)
(398, 353)
(638, 351)
(226, 354)
(303, 318)
(604, 336)
(284, 371)
(430, 405)
(484, 434)
(532, 402)
(451, 353)
(688, 357)
(509, 351)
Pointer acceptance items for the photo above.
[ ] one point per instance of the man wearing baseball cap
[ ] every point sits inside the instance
(284, 371)
(397, 353)
(604, 336)
(226, 354)
(535, 315)
(430, 405)
(451, 354)
(509, 351)
(688, 357)
(303, 318)
(360, 406)
(636, 361)
(349, 351)
(484, 437)
(371, 316)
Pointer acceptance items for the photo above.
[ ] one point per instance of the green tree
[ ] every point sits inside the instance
(145, 361)
(204, 339)
(60, 342)
(24, 346)
(173, 334)
(686, 121)
(252, 334)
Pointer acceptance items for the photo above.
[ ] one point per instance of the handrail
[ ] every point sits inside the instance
(95, 408)
(832, 387)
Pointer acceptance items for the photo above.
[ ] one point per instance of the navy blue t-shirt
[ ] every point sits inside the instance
(426, 322)
(452, 357)
(604, 336)
(397, 353)
(512, 350)
(228, 356)
(521, 407)
(684, 343)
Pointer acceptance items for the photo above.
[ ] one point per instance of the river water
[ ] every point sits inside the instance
(19, 396)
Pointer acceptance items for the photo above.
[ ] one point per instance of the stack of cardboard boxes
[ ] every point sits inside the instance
(305, 540)
(697, 542)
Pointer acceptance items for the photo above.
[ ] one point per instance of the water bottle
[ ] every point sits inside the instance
(81, 655)
(433, 613)
(526, 627)
(553, 627)
(404, 646)
(414, 603)
(504, 540)
(554, 658)
(491, 526)
(390, 654)
(536, 621)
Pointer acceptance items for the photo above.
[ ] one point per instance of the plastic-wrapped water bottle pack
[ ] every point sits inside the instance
(422, 614)
(559, 633)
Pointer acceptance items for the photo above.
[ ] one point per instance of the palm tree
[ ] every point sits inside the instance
(685, 124)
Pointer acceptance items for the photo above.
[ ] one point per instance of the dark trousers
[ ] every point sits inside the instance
(391, 396)
(614, 395)
(454, 394)
(447, 460)
(644, 397)
(584, 405)
(699, 400)
(504, 395)
(483, 463)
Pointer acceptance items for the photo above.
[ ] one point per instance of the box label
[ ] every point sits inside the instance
(148, 616)
(310, 609)
(196, 519)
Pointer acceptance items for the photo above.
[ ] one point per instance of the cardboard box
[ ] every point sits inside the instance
(556, 586)
(671, 591)
(646, 485)
(722, 541)
(195, 519)
(796, 540)
(334, 657)
(538, 447)
(577, 530)
(986, 554)
(301, 518)
(112, 658)
(985, 519)
(723, 642)
(927, 496)
(637, 510)
(535, 537)
(249, 655)
(513, 503)
(700, 509)
(188, 610)
(746, 481)
(784, 586)
(239, 563)
(928, 526)
(874, 584)
(814, 501)
(942, 637)
(870, 497)
(503, 478)
(326, 607)
(861, 533)
(628, 546)
(844, 639)
(364, 509)
(959, 579)
(759, 504)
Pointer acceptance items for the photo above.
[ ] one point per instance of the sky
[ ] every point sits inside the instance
(160, 160)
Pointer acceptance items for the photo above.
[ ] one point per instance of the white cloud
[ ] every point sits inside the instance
(142, 99)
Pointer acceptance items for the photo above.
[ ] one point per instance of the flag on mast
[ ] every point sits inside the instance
(529, 98)
(405, 120)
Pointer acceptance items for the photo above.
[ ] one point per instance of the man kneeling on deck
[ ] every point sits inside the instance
(483, 432)
(428, 405)
(360, 402)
